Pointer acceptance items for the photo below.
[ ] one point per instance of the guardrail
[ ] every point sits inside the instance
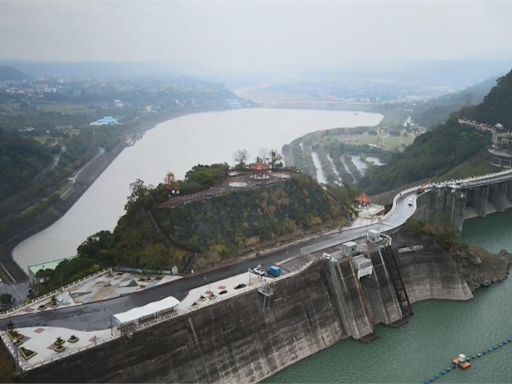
(26, 366)
(501, 176)
(52, 293)
(349, 235)
(319, 246)
(356, 233)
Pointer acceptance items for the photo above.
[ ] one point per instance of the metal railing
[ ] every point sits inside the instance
(48, 295)
(27, 366)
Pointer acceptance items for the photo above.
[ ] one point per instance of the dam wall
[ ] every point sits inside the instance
(241, 339)
(431, 273)
(452, 205)
(233, 341)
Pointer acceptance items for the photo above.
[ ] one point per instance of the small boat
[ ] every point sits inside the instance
(461, 361)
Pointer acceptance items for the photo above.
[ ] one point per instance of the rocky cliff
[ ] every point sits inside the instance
(480, 268)
(430, 272)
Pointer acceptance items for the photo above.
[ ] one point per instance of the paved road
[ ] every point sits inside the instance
(96, 316)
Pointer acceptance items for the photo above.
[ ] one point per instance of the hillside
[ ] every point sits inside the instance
(431, 155)
(22, 160)
(436, 111)
(450, 149)
(208, 231)
(8, 73)
(497, 105)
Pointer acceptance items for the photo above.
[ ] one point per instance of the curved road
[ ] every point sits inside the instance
(95, 316)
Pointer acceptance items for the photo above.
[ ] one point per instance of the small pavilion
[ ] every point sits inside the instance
(259, 170)
(362, 200)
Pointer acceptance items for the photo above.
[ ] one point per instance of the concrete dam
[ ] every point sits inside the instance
(251, 336)
(458, 200)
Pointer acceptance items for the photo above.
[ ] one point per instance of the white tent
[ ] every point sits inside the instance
(134, 315)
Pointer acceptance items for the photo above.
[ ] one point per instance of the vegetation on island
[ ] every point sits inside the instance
(444, 235)
(209, 231)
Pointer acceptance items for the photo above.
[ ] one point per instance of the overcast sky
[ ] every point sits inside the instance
(251, 36)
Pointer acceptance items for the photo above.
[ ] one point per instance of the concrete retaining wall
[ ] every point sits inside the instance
(237, 340)
(432, 274)
(233, 341)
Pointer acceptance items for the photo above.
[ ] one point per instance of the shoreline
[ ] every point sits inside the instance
(67, 198)
(84, 179)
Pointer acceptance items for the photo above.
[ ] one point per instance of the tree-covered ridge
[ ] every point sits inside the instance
(437, 110)
(8, 73)
(497, 105)
(431, 155)
(21, 160)
(204, 233)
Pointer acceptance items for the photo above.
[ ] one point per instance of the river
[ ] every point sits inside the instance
(438, 331)
(176, 145)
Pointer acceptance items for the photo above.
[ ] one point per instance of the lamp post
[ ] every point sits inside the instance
(209, 286)
(10, 327)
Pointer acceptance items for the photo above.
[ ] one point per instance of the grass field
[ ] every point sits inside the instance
(386, 142)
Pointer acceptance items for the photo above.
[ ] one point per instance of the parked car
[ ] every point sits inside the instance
(274, 271)
(258, 270)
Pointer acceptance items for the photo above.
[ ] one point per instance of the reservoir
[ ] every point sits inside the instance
(176, 145)
(438, 331)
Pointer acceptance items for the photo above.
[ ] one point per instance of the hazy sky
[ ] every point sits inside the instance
(249, 36)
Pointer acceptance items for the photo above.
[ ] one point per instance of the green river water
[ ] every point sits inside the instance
(438, 331)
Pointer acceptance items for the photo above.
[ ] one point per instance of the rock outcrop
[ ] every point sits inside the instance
(480, 268)
(430, 272)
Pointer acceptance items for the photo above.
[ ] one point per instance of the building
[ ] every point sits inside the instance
(34, 269)
(501, 150)
(362, 200)
(259, 170)
(149, 311)
(106, 120)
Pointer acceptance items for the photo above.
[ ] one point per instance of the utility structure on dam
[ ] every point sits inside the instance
(367, 285)
(458, 200)
(327, 296)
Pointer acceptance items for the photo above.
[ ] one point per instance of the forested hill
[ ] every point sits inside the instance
(8, 73)
(430, 155)
(436, 111)
(497, 105)
(447, 146)
(22, 160)
(209, 229)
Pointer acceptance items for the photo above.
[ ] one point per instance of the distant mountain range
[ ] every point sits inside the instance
(435, 111)
(98, 70)
(497, 105)
(8, 73)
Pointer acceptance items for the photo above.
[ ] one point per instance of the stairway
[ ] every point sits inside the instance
(388, 254)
